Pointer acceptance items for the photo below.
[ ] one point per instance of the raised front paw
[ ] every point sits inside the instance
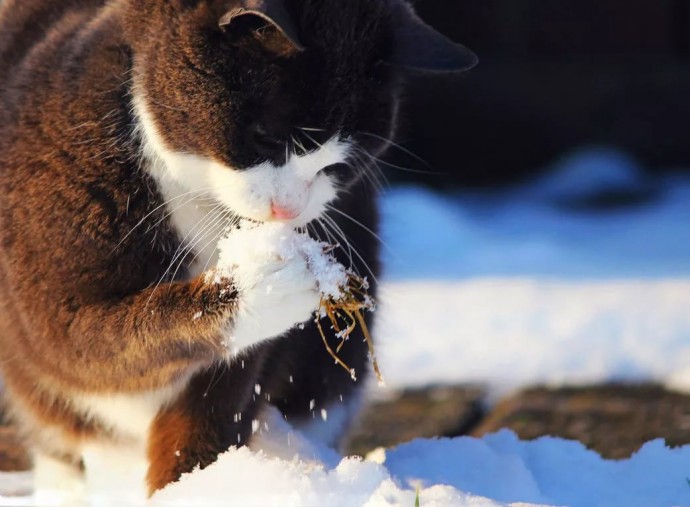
(273, 298)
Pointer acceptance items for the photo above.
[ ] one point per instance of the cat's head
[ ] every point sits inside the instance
(271, 107)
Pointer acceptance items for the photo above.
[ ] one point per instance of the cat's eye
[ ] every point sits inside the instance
(265, 142)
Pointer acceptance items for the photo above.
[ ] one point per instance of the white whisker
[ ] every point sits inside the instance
(208, 222)
(208, 218)
(213, 239)
(327, 221)
(390, 142)
(360, 224)
(151, 213)
(234, 222)
(311, 129)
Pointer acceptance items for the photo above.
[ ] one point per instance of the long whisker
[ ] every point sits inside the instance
(208, 222)
(215, 219)
(370, 171)
(214, 239)
(178, 207)
(392, 143)
(336, 228)
(311, 129)
(232, 222)
(373, 164)
(151, 213)
(328, 222)
(187, 250)
(313, 140)
(330, 239)
(372, 178)
(312, 231)
(334, 238)
(399, 167)
(357, 222)
(299, 145)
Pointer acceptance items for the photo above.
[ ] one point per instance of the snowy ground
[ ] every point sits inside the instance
(464, 472)
(509, 333)
(524, 286)
(508, 289)
(500, 467)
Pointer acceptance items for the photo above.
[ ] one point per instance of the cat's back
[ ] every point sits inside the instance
(51, 53)
(26, 24)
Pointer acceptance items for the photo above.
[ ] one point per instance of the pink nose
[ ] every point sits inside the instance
(283, 213)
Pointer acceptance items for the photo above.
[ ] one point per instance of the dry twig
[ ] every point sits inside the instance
(345, 315)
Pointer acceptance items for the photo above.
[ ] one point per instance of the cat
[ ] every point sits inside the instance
(133, 133)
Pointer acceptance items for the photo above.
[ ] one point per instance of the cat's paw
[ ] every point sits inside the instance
(273, 297)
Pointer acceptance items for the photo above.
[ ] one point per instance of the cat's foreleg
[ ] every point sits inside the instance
(149, 340)
(56, 480)
(115, 470)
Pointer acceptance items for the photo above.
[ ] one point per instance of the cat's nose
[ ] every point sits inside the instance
(280, 212)
(266, 142)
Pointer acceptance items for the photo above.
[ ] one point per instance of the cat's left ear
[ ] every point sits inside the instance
(417, 46)
(272, 11)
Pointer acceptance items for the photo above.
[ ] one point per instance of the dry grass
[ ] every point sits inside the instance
(345, 316)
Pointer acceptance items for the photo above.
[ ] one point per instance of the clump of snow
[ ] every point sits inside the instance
(241, 477)
(492, 471)
(252, 243)
(547, 471)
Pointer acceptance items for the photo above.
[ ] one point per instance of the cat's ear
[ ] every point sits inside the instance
(271, 11)
(417, 46)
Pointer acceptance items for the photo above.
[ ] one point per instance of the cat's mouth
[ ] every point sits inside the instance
(294, 214)
(295, 194)
(276, 195)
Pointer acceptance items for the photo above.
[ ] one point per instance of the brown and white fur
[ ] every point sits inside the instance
(132, 135)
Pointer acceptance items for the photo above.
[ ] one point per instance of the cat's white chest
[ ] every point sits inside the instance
(199, 227)
(129, 415)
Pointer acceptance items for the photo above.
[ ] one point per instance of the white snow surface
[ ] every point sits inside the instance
(494, 471)
(509, 333)
(505, 289)
(516, 287)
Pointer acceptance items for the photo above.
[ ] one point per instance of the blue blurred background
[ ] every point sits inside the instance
(564, 153)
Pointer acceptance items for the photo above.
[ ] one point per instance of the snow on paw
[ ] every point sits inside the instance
(217, 289)
(276, 289)
(281, 299)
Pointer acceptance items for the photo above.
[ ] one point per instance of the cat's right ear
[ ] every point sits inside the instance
(272, 11)
(417, 46)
